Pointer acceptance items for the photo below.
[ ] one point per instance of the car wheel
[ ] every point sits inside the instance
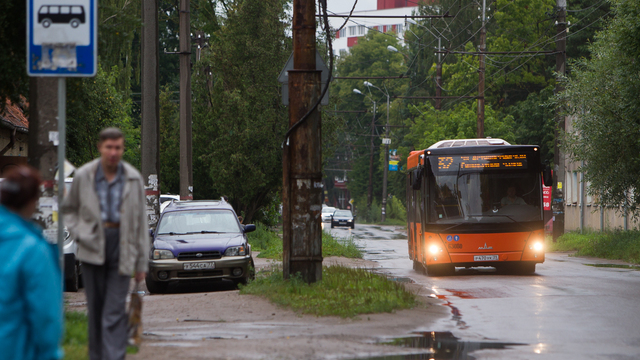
(332, 226)
(353, 226)
(46, 23)
(72, 282)
(418, 267)
(156, 287)
(74, 23)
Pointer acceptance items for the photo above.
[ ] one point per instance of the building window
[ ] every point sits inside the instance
(361, 30)
(400, 28)
(376, 28)
(343, 32)
(352, 30)
(384, 28)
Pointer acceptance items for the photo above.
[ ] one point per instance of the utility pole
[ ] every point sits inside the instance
(482, 48)
(43, 108)
(558, 156)
(385, 173)
(186, 177)
(302, 155)
(370, 188)
(150, 110)
(439, 77)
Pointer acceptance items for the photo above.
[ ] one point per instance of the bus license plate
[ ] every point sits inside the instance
(199, 266)
(485, 258)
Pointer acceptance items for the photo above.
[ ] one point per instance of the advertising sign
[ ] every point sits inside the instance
(546, 197)
(394, 160)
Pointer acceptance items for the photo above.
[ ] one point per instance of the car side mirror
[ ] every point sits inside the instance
(249, 228)
(547, 176)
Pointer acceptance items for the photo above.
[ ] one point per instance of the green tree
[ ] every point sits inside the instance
(239, 119)
(13, 77)
(603, 98)
(93, 104)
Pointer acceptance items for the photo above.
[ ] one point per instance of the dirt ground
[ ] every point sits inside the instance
(216, 322)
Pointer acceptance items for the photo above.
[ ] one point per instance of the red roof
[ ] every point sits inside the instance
(14, 117)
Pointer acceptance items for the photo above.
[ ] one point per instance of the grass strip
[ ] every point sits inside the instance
(269, 244)
(617, 244)
(76, 337)
(343, 291)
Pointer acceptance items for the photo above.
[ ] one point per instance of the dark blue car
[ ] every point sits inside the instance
(199, 241)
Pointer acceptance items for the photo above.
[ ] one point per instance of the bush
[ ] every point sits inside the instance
(396, 212)
(343, 291)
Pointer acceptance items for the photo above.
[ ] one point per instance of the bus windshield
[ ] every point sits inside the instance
(483, 195)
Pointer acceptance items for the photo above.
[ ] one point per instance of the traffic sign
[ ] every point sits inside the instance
(386, 141)
(283, 78)
(62, 37)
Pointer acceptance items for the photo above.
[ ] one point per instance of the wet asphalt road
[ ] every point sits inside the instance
(566, 310)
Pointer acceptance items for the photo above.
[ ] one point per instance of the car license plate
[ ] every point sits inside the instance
(343, 223)
(485, 258)
(199, 265)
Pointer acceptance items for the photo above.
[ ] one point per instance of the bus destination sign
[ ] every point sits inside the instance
(482, 162)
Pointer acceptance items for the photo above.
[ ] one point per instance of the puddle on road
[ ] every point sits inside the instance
(401, 279)
(440, 346)
(616, 266)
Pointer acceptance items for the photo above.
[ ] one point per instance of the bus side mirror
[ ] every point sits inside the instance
(417, 179)
(547, 177)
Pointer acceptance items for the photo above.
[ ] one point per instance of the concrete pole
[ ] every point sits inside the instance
(558, 157)
(370, 187)
(150, 128)
(383, 216)
(439, 77)
(186, 175)
(43, 125)
(302, 156)
(62, 141)
(483, 42)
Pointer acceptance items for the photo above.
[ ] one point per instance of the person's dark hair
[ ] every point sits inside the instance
(111, 133)
(20, 186)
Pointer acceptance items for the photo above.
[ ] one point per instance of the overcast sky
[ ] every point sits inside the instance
(344, 6)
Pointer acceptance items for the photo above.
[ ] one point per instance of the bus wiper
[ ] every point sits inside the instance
(204, 232)
(172, 233)
(507, 216)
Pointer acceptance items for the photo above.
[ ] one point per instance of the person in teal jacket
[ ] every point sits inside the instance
(31, 311)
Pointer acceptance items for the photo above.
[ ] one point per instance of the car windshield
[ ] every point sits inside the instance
(484, 196)
(198, 221)
(345, 213)
(328, 210)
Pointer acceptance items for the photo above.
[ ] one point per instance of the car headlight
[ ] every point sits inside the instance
(236, 251)
(434, 249)
(162, 254)
(350, 220)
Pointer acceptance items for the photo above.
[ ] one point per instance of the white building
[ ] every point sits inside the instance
(358, 27)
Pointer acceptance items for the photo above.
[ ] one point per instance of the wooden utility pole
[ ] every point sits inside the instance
(482, 48)
(302, 156)
(558, 156)
(186, 177)
(370, 187)
(150, 128)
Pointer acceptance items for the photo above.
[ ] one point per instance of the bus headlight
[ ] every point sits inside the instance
(537, 246)
(433, 249)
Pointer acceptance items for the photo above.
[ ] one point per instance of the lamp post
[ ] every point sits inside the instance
(386, 141)
(373, 128)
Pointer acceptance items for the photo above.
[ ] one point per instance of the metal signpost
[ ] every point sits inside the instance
(62, 41)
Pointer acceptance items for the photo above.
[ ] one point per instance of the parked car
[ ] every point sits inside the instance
(166, 199)
(327, 212)
(342, 218)
(199, 241)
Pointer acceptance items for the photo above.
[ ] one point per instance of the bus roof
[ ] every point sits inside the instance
(457, 146)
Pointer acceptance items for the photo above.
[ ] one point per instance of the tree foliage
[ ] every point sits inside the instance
(603, 97)
(239, 119)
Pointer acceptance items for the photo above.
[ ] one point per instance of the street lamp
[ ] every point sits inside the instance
(386, 141)
(373, 128)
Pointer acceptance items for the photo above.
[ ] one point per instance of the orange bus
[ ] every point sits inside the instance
(475, 202)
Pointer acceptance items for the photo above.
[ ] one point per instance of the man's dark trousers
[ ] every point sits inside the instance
(106, 301)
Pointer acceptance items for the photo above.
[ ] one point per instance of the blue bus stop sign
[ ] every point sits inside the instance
(62, 37)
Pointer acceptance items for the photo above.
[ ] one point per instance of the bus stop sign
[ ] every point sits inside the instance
(62, 37)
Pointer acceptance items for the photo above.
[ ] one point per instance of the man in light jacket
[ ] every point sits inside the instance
(105, 212)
